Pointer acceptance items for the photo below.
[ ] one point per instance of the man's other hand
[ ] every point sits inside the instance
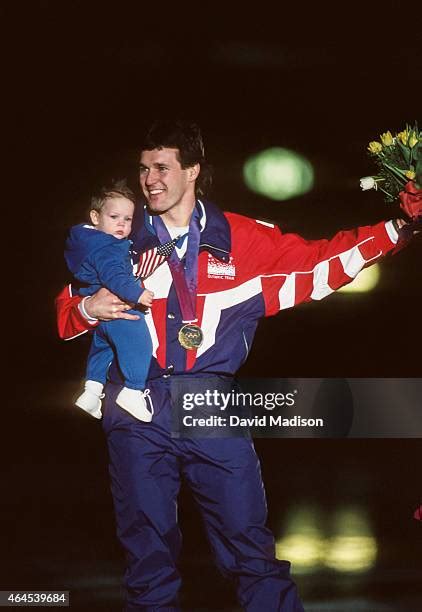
(411, 201)
(106, 306)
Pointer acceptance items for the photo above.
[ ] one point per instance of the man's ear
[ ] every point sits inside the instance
(193, 172)
(95, 217)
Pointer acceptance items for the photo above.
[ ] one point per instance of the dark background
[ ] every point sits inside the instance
(81, 85)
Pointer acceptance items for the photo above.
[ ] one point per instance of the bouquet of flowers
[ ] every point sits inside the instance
(398, 159)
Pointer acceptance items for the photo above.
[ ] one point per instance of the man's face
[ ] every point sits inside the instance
(115, 217)
(165, 184)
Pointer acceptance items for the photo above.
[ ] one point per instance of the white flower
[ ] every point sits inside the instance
(368, 182)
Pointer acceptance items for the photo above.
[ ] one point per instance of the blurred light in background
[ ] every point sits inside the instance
(279, 174)
(303, 542)
(351, 548)
(365, 281)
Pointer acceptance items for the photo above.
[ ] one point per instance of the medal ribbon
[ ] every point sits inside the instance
(185, 278)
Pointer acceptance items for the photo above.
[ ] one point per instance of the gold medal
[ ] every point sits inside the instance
(191, 337)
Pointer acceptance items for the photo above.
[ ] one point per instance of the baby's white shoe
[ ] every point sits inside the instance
(90, 400)
(133, 401)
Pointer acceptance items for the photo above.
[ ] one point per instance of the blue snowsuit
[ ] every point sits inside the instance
(100, 260)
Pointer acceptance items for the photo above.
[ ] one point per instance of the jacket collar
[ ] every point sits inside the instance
(215, 231)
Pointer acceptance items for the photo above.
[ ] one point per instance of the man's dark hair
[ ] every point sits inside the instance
(186, 137)
(117, 189)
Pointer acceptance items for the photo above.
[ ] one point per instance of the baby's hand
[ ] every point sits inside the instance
(146, 298)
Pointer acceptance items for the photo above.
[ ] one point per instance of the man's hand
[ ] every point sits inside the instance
(411, 201)
(146, 298)
(106, 306)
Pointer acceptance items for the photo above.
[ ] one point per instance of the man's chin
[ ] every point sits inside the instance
(157, 208)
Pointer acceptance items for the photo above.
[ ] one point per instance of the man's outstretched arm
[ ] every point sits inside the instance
(293, 270)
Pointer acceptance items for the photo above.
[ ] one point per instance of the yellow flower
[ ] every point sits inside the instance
(387, 139)
(410, 174)
(412, 140)
(403, 136)
(375, 147)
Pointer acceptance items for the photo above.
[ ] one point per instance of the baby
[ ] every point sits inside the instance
(98, 255)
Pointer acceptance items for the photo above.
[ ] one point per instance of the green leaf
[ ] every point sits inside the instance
(407, 155)
(400, 174)
(418, 168)
(390, 198)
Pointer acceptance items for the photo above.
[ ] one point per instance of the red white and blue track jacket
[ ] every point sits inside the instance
(247, 269)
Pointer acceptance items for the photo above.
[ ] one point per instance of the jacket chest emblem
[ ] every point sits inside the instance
(221, 269)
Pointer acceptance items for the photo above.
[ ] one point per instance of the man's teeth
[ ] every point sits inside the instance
(156, 191)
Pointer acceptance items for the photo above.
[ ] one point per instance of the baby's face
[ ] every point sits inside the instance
(115, 217)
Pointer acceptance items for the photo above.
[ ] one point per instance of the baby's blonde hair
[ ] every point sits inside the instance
(117, 189)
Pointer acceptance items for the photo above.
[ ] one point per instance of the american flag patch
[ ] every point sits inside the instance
(151, 259)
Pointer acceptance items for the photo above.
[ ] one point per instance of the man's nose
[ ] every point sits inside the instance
(151, 177)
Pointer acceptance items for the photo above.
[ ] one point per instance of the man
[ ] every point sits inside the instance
(227, 273)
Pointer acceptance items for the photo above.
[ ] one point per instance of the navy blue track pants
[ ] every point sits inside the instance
(146, 467)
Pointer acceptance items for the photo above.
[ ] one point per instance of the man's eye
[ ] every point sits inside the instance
(163, 168)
